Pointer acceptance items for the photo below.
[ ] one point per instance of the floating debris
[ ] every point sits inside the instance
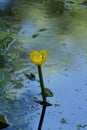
(30, 76)
(56, 105)
(64, 44)
(63, 121)
(79, 126)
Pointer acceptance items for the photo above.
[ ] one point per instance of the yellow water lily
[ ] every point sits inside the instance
(38, 57)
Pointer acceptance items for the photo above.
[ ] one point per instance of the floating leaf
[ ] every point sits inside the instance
(42, 29)
(48, 92)
(30, 76)
(56, 105)
(35, 35)
(63, 121)
(79, 126)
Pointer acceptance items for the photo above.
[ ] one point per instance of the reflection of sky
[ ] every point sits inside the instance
(69, 87)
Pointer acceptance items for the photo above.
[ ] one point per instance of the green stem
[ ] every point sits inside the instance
(41, 83)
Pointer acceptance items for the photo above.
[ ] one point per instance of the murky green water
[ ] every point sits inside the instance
(63, 36)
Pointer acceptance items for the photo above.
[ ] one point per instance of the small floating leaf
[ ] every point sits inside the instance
(42, 29)
(79, 126)
(56, 105)
(60, 112)
(63, 121)
(48, 92)
(30, 76)
(35, 35)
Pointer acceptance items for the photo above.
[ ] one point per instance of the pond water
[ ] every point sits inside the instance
(63, 35)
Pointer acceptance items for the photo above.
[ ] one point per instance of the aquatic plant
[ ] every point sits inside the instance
(38, 58)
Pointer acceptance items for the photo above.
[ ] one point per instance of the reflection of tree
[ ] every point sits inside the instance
(55, 7)
(72, 13)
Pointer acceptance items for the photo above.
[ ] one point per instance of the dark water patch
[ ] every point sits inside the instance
(3, 123)
(2, 61)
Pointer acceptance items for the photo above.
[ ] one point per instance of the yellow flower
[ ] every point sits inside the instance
(38, 57)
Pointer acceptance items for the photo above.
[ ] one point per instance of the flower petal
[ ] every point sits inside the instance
(43, 53)
(37, 57)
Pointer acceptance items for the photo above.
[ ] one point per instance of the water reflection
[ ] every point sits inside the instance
(55, 7)
(16, 108)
